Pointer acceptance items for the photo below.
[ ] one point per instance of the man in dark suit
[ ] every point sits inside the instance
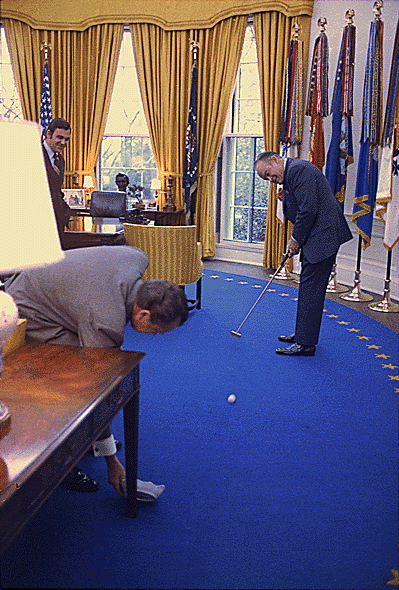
(58, 134)
(319, 230)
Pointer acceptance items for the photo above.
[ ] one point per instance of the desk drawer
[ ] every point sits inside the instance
(114, 402)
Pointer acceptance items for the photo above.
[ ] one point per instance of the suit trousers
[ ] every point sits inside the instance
(313, 284)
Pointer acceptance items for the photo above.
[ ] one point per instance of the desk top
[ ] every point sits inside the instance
(104, 225)
(46, 387)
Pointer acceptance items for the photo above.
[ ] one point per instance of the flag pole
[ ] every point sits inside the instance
(291, 124)
(367, 172)
(340, 151)
(190, 159)
(388, 185)
(386, 304)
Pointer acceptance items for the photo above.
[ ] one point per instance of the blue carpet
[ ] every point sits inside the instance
(294, 486)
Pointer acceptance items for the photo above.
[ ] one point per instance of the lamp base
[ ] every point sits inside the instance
(8, 323)
(5, 420)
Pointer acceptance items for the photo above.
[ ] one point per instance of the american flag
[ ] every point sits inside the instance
(317, 103)
(190, 164)
(45, 106)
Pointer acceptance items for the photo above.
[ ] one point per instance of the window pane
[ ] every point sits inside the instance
(10, 105)
(128, 155)
(258, 225)
(126, 146)
(246, 100)
(240, 232)
(244, 153)
(245, 194)
(243, 188)
(261, 192)
(126, 116)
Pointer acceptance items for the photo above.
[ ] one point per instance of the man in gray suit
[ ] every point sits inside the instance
(319, 229)
(87, 299)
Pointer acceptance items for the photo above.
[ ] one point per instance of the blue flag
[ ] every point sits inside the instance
(190, 164)
(367, 171)
(45, 106)
(340, 152)
(366, 190)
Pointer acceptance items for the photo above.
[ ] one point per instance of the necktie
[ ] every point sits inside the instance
(57, 165)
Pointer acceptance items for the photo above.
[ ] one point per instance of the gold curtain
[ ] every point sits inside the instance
(218, 60)
(163, 60)
(163, 71)
(75, 15)
(273, 31)
(82, 68)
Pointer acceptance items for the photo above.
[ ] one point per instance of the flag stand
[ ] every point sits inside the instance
(357, 294)
(333, 286)
(386, 304)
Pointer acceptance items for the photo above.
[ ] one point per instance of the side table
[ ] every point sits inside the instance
(61, 398)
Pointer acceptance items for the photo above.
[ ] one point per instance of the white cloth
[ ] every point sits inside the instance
(146, 490)
(387, 200)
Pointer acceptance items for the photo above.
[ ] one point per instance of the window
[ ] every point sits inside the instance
(246, 202)
(126, 146)
(244, 195)
(241, 198)
(10, 105)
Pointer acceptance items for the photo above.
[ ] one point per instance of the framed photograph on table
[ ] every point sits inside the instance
(74, 197)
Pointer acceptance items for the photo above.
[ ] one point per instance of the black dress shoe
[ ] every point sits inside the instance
(297, 350)
(77, 481)
(290, 339)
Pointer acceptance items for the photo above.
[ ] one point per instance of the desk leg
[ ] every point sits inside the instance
(131, 426)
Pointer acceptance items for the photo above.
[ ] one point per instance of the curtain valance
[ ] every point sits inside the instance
(169, 14)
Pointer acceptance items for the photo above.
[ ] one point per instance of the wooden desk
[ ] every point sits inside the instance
(86, 231)
(60, 399)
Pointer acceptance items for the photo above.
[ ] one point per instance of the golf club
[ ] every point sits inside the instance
(237, 332)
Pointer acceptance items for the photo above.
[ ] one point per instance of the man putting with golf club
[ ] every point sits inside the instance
(319, 230)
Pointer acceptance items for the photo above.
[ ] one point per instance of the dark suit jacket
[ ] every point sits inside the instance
(319, 224)
(55, 181)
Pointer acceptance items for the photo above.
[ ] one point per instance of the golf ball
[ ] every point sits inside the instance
(231, 399)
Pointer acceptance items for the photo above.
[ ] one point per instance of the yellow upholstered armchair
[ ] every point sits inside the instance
(173, 253)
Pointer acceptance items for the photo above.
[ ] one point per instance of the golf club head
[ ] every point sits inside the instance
(236, 334)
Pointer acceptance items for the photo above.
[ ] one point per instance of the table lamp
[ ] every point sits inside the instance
(88, 184)
(28, 231)
(155, 186)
